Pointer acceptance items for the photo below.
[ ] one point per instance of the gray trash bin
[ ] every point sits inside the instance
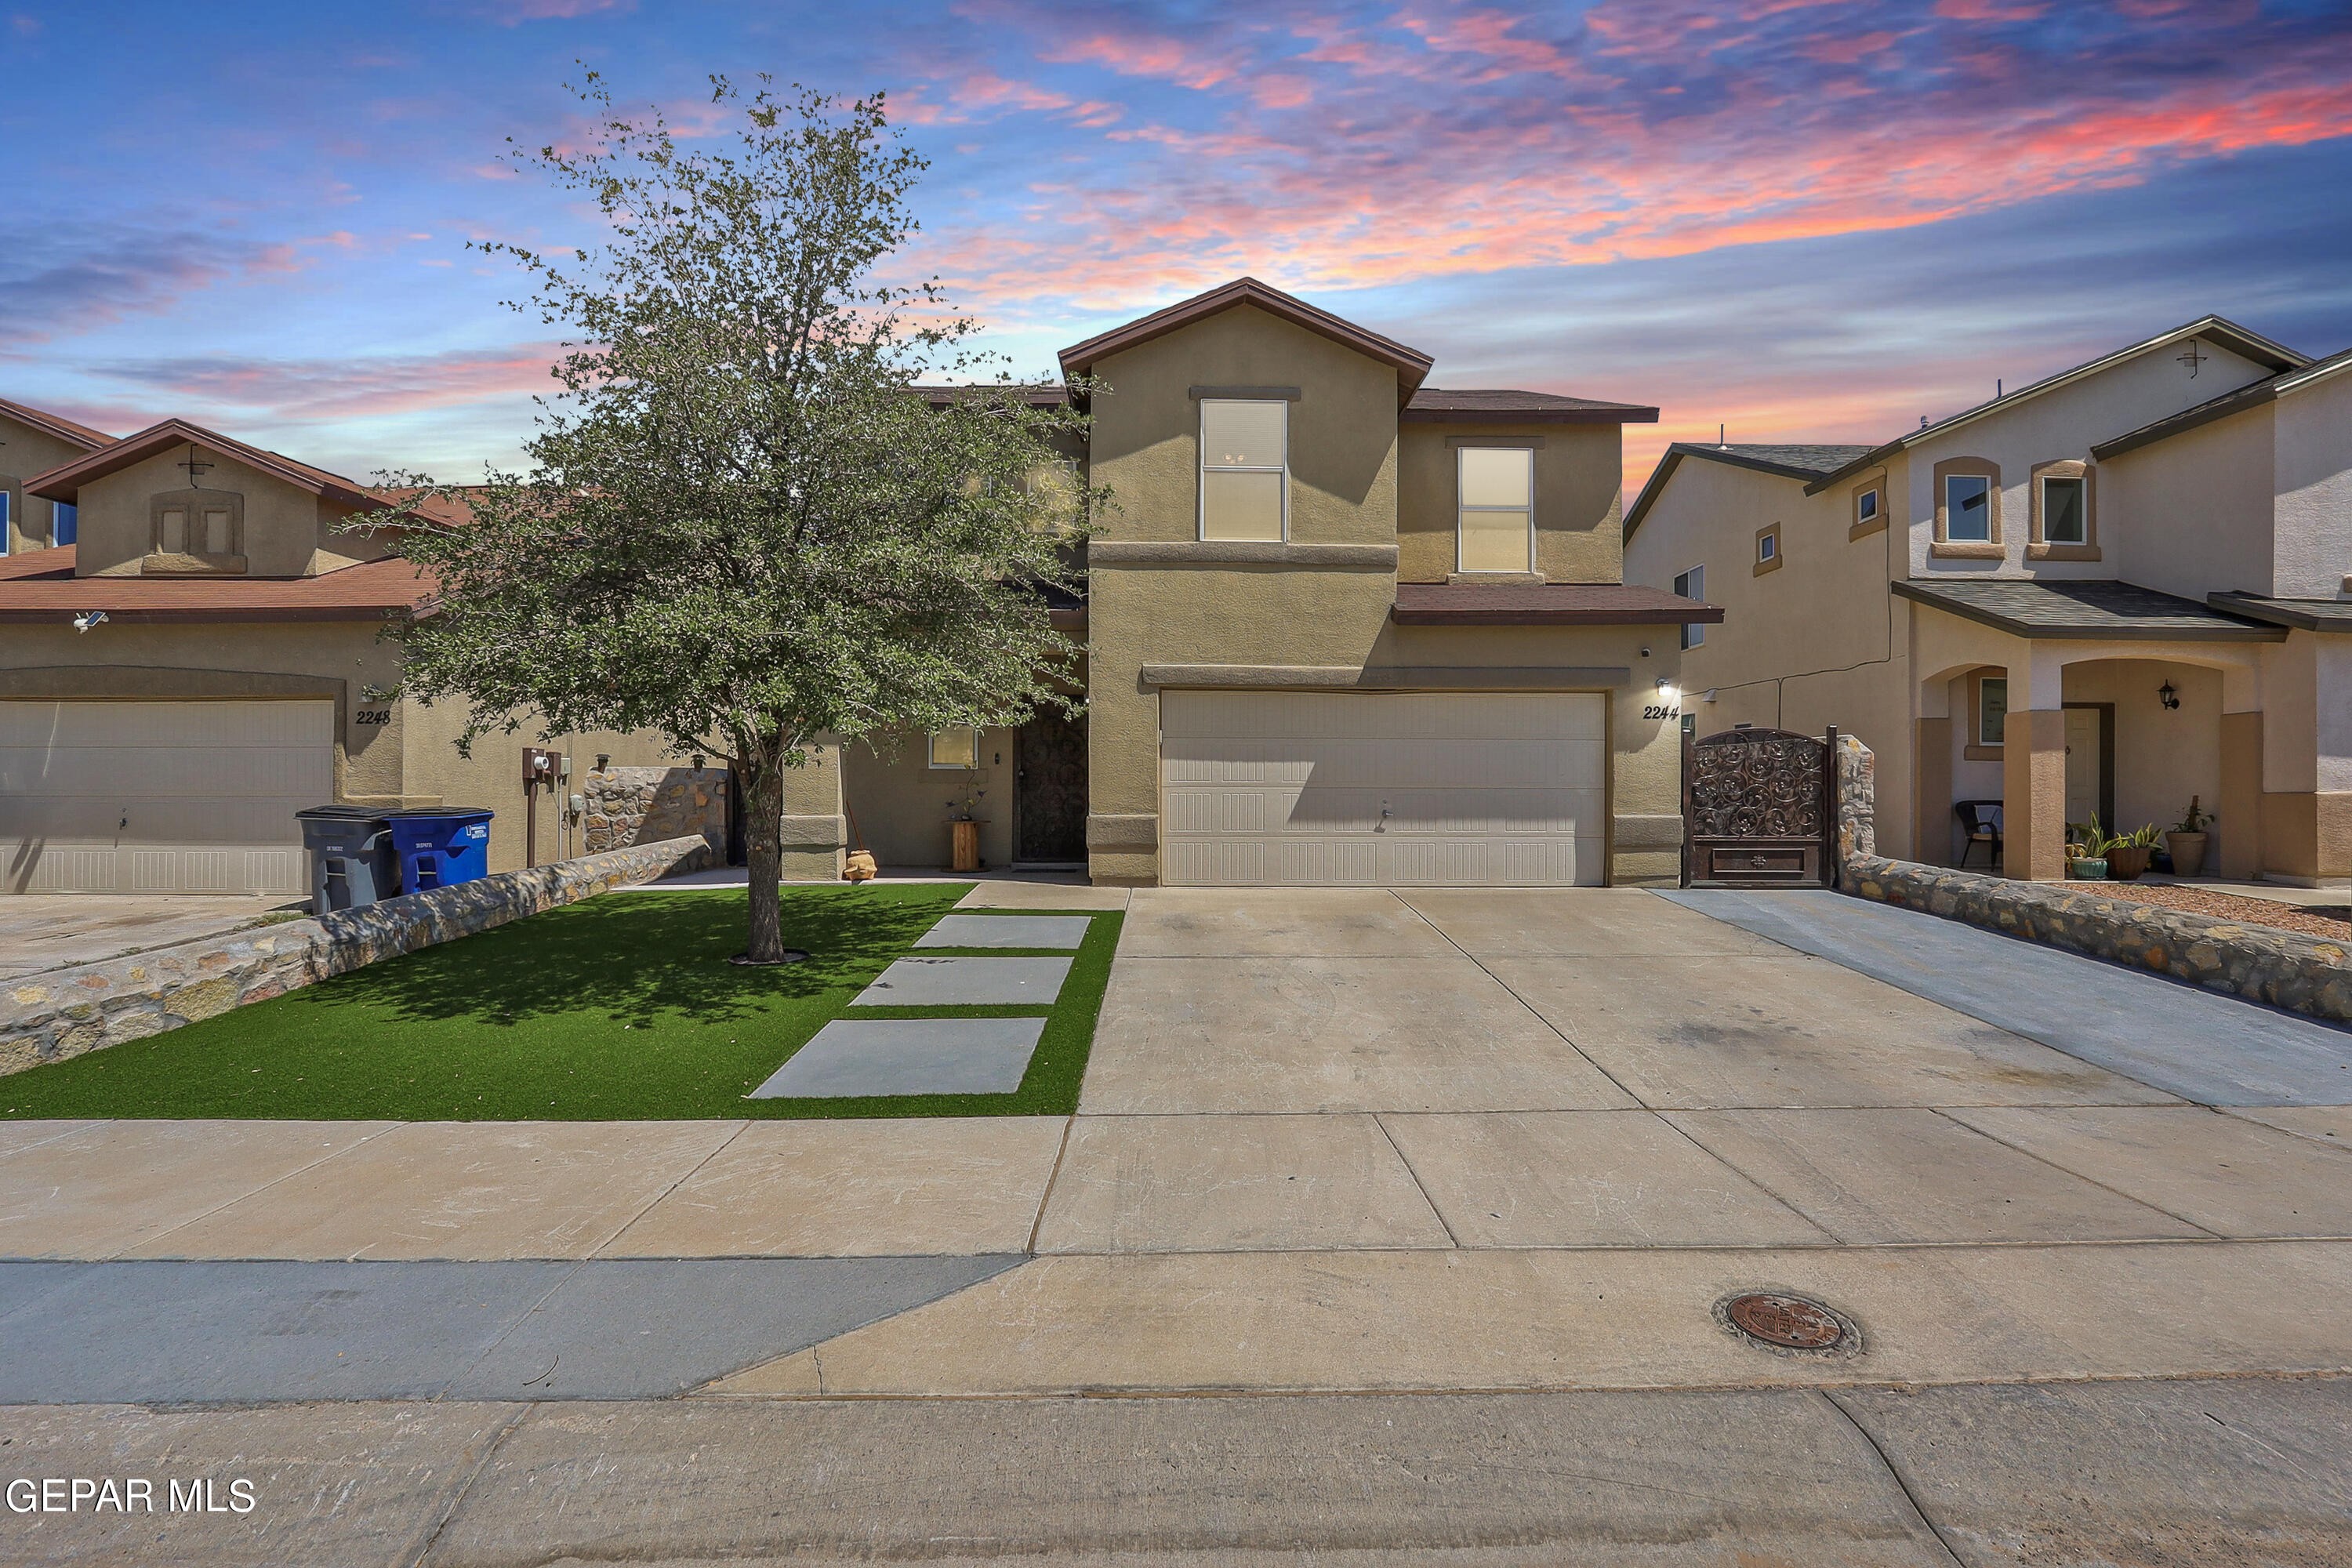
(351, 858)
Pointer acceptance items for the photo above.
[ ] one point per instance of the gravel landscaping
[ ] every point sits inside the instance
(2310, 920)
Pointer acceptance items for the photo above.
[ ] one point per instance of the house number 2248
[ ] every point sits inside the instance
(364, 717)
(1661, 710)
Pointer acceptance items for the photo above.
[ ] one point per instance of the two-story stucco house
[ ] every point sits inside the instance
(2115, 591)
(189, 655)
(1343, 628)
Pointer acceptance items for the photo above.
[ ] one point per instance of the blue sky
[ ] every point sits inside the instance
(1804, 218)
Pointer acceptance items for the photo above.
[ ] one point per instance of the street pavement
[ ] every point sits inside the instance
(1389, 1223)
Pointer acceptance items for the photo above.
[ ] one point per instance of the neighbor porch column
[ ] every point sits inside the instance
(1931, 775)
(2034, 772)
(2237, 851)
(814, 829)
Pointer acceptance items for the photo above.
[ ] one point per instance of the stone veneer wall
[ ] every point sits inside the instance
(625, 806)
(48, 1017)
(2287, 969)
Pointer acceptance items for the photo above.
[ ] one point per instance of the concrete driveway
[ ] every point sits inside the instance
(52, 931)
(1463, 1175)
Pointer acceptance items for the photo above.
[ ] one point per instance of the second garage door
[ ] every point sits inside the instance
(161, 797)
(1382, 789)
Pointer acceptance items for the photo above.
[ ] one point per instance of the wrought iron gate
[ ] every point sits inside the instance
(1758, 809)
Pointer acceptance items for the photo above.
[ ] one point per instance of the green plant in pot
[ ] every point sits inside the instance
(2085, 847)
(2127, 856)
(2187, 839)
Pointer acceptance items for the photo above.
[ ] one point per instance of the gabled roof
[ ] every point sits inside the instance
(2214, 329)
(1789, 462)
(1500, 406)
(1411, 364)
(2254, 394)
(62, 428)
(64, 482)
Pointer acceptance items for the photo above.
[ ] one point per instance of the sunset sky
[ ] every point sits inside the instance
(1807, 220)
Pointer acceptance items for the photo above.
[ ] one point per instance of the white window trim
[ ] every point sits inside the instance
(1768, 547)
(1877, 504)
(1694, 632)
(1204, 468)
(1951, 509)
(932, 751)
(2082, 510)
(1461, 455)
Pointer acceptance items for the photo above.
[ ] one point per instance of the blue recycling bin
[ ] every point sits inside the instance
(440, 844)
(352, 859)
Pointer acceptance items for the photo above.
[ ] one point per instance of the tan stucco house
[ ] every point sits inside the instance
(1341, 627)
(190, 660)
(2114, 590)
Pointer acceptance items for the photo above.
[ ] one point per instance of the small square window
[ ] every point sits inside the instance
(1865, 507)
(1967, 507)
(957, 748)
(2063, 511)
(1768, 547)
(1992, 710)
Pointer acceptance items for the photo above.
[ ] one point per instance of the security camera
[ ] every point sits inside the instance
(82, 623)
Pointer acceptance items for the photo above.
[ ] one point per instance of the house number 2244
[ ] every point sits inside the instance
(1661, 710)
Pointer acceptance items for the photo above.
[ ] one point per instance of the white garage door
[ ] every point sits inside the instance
(1384, 789)
(160, 797)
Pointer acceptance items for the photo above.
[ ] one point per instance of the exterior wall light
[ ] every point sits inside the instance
(2169, 697)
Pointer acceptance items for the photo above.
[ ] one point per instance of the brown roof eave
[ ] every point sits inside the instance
(1411, 364)
(1629, 414)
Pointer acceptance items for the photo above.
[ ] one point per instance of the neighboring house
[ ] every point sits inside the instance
(1343, 628)
(32, 442)
(166, 748)
(2114, 591)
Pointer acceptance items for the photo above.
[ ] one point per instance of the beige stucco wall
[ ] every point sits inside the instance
(25, 452)
(2193, 513)
(900, 801)
(2313, 477)
(1145, 436)
(1578, 485)
(285, 526)
(2163, 756)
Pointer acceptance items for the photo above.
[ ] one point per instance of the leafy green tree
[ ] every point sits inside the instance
(741, 527)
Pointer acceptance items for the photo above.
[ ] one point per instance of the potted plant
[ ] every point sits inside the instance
(2086, 850)
(2128, 856)
(2187, 840)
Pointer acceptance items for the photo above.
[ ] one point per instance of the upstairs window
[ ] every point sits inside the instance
(1244, 468)
(2064, 515)
(1692, 584)
(1968, 508)
(1497, 486)
(1865, 507)
(65, 522)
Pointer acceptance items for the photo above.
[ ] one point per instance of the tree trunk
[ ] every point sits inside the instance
(763, 851)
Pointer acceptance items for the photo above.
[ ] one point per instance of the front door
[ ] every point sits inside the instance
(1049, 796)
(2086, 772)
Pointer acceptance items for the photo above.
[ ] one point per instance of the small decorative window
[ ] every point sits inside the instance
(1992, 710)
(1865, 506)
(1244, 468)
(1496, 531)
(1692, 584)
(1968, 508)
(957, 747)
(1768, 550)
(197, 531)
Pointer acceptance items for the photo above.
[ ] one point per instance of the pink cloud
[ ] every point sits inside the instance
(296, 389)
(1846, 51)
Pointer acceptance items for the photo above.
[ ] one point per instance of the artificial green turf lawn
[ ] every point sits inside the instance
(622, 1007)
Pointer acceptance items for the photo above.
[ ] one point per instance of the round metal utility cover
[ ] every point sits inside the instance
(1791, 1322)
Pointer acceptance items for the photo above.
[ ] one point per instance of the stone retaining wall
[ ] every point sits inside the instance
(48, 1017)
(2287, 969)
(625, 806)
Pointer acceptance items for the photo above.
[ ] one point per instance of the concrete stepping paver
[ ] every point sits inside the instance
(895, 1187)
(967, 983)
(908, 1056)
(1064, 932)
(1198, 1183)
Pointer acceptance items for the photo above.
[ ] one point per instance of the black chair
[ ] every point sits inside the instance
(1980, 820)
